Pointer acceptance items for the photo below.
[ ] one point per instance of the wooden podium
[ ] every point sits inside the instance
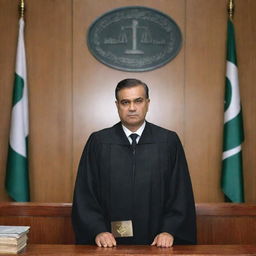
(217, 224)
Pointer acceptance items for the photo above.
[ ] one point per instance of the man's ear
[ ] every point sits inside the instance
(148, 101)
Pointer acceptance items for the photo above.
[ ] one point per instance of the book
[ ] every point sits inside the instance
(13, 238)
(12, 249)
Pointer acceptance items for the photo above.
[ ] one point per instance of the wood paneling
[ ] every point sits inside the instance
(204, 94)
(72, 94)
(245, 24)
(49, 223)
(226, 223)
(48, 34)
(218, 223)
(49, 44)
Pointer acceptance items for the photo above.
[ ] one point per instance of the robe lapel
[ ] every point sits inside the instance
(119, 135)
(147, 135)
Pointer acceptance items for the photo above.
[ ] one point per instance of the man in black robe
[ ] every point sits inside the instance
(133, 189)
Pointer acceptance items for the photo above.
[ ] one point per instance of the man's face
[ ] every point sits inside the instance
(132, 106)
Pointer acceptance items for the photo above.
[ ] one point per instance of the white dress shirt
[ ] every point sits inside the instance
(139, 132)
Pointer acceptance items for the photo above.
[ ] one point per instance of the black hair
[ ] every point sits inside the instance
(131, 82)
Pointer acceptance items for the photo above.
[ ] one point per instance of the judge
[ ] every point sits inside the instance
(133, 184)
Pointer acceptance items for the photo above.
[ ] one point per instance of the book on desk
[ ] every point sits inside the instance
(13, 238)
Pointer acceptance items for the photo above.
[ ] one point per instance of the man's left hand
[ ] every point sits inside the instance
(163, 240)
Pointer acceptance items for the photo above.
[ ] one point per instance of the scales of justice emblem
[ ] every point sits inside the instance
(134, 39)
(123, 38)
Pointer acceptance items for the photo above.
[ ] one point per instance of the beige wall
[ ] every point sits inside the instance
(71, 93)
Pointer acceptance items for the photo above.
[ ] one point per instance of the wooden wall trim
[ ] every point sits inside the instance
(64, 209)
(225, 209)
(35, 209)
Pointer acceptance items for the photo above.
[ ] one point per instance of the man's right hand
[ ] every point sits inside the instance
(105, 239)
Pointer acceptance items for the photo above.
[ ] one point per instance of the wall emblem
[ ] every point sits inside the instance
(134, 39)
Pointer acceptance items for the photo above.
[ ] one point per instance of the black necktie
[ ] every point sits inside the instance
(134, 136)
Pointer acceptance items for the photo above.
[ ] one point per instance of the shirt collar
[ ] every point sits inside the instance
(139, 131)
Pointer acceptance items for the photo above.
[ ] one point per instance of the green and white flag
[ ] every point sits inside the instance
(233, 137)
(17, 176)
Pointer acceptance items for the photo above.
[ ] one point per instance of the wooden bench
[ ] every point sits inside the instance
(217, 223)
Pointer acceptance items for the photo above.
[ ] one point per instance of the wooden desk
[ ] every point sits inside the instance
(217, 223)
(78, 250)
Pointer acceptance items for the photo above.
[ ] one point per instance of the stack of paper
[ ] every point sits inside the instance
(13, 238)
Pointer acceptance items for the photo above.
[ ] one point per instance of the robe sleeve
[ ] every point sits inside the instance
(179, 207)
(87, 215)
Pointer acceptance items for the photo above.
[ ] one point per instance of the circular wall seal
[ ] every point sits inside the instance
(134, 38)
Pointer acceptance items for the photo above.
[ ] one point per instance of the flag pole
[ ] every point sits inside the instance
(22, 8)
(231, 8)
(17, 175)
(232, 183)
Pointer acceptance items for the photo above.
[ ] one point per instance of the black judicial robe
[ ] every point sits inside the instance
(151, 187)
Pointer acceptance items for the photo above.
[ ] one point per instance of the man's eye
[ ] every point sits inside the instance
(139, 100)
(124, 102)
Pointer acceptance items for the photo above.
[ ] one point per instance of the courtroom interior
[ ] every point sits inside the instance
(71, 95)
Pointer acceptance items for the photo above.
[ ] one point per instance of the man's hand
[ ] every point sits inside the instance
(105, 239)
(163, 240)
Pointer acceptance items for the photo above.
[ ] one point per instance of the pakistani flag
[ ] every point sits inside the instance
(232, 167)
(17, 177)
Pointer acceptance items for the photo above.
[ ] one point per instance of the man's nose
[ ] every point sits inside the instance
(132, 107)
